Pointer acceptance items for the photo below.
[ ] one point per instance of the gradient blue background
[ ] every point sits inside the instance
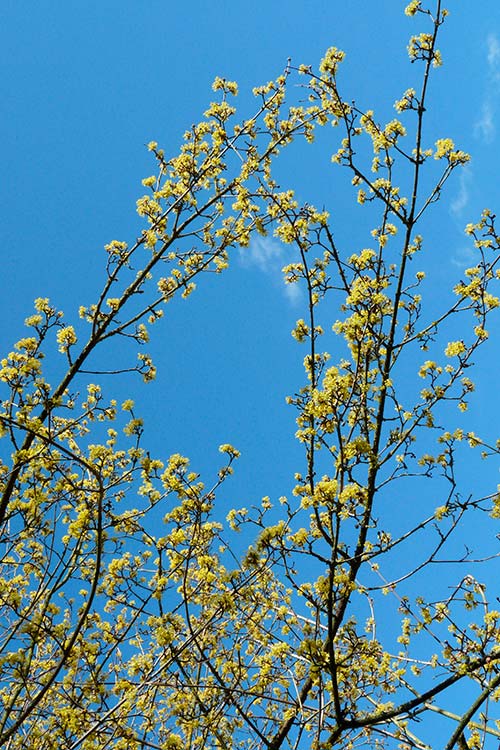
(85, 85)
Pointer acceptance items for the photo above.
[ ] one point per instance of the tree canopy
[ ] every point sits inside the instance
(139, 612)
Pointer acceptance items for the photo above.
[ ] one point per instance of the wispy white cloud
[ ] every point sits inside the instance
(269, 256)
(485, 126)
(263, 253)
(465, 257)
(493, 54)
(461, 199)
(293, 293)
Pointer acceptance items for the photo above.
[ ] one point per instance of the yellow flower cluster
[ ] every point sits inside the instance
(66, 337)
(445, 148)
(455, 348)
(407, 101)
(421, 47)
(221, 84)
(412, 7)
(331, 60)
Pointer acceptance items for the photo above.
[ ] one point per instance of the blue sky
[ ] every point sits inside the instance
(85, 85)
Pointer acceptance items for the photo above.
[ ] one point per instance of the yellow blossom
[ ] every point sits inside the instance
(66, 337)
(412, 7)
(454, 348)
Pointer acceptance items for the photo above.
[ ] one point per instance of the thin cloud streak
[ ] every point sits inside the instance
(493, 46)
(269, 256)
(465, 257)
(485, 126)
(263, 253)
(459, 203)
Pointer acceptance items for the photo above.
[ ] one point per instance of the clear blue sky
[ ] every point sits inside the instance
(85, 85)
